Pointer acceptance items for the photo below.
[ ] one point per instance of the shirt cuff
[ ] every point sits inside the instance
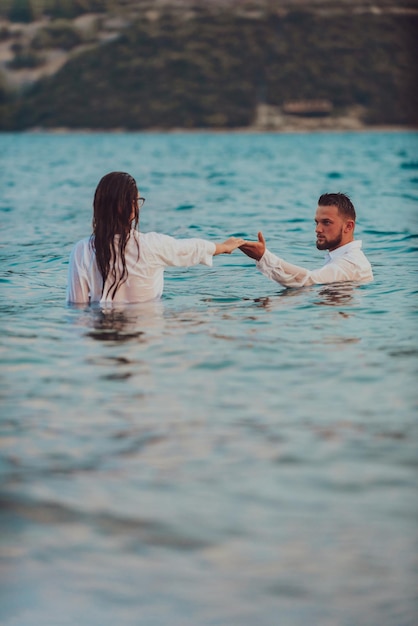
(267, 261)
(210, 251)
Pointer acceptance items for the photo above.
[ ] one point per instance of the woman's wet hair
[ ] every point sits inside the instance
(115, 212)
(341, 201)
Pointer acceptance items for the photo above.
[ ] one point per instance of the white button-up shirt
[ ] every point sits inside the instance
(346, 263)
(146, 254)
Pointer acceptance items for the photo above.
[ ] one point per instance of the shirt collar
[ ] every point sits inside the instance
(352, 245)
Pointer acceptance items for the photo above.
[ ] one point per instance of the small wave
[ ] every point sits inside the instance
(407, 196)
(221, 175)
(409, 165)
(288, 590)
(146, 531)
(404, 352)
(381, 233)
(185, 207)
(214, 365)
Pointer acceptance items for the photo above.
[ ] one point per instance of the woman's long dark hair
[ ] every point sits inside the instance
(115, 212)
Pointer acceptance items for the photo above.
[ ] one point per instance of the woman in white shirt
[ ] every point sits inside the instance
(120, 264)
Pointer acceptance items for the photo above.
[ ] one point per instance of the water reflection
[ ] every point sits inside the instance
(270, 302)
(336, 294)
(114, 326)
(263, 303)
(121, 323)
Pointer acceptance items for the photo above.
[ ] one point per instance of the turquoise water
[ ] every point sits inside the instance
(236, 454)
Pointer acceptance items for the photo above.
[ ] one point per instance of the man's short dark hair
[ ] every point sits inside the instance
(341, 201)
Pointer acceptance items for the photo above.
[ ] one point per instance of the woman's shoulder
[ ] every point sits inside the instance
(153, 238)
(82, 247)
(82, 243)
(149, 234)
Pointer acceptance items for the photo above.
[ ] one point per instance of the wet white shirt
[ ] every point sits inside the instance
(145, 274)
(346, 263)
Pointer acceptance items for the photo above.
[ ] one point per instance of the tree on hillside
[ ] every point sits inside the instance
(21, 11)
(69, 9)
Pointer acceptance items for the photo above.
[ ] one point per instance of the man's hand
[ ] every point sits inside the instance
(254, 249)
(229, 245)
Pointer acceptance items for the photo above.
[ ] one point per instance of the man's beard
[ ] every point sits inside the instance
(330, 244)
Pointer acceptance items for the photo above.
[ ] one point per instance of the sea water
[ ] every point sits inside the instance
(236, 454)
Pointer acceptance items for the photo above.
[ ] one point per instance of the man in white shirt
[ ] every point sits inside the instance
(335, 221)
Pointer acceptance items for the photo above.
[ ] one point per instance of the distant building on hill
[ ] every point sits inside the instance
(308, 108)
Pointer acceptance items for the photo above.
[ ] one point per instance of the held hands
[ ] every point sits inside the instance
(229, 245)
(254, 249)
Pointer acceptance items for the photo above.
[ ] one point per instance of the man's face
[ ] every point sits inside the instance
(329, 228)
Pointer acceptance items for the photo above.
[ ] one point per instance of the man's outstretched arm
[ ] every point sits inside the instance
(290, 275)
(274, 267)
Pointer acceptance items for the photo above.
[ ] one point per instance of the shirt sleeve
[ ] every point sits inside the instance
(184, 252)
(77, 286)
(290, 275)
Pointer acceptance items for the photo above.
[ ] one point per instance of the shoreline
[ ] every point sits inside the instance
(244, 130)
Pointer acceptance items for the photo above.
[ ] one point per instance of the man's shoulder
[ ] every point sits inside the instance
(352, 248)
(351, 254)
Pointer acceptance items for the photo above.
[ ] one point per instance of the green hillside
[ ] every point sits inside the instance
(211, 68)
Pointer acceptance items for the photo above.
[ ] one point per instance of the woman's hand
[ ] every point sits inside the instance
(229, 245)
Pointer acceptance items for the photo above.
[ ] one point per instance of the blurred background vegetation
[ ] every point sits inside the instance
(103, 64)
